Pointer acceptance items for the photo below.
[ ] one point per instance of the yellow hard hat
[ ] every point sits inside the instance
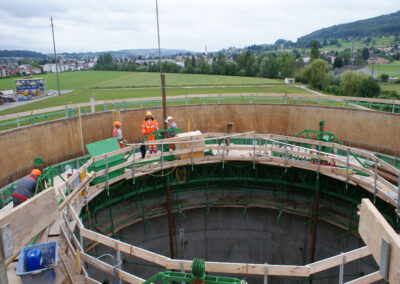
(148, 113)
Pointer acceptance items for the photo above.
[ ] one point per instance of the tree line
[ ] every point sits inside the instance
(275, 66)
(270, 65)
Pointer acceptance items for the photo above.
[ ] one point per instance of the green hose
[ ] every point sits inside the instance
(198, 269)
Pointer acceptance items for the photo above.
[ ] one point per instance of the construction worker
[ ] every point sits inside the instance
(26, 188)
(150, 125)
(117, 133)
(172, 129)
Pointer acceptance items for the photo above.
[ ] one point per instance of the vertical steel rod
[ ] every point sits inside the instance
(170, 225)
(162, 76)
(55, 55)
(315, 211)
(347, 167)
(133, 165)
(375, 178)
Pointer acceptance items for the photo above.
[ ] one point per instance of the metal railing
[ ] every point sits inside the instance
(73, 111)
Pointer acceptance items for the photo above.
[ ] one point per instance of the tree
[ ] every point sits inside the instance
(314, 51)
(269, 67)
(187, 62)
(286, 63)
(384, 77)
(338, 62)
(368, 88)
(193, 62)
(365, 53)
(317, 74)
(350, 83)
(346, 57)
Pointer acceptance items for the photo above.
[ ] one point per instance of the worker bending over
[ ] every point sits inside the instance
(26, 188)
(117, 133)
(150, 125)
(172, 129)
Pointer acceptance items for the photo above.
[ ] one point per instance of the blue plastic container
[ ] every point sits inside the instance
(43, 275)
(34, 260)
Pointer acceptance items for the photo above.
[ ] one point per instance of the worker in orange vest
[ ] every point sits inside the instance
(117, 133)
(150, 125)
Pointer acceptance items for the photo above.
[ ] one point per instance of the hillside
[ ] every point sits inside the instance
(384, 25)
(21, 53)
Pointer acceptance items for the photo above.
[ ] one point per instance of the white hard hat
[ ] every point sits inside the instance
(170, 117)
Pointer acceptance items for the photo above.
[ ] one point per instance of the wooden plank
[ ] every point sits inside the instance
(72, 194)
(89, 280)
(388, 167)
(367, 279)
(124, 247)
(337, 260)
(372, 228)
(243, 268)
(30, 218)
(71, 270)
(125, 276)
(64, 234)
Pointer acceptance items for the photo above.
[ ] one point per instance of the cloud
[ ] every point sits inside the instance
(98, 25)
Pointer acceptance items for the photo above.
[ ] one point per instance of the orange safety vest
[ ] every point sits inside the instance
(148, 127)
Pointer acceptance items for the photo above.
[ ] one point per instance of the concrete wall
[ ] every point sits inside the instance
(225, 235)
(61, 140)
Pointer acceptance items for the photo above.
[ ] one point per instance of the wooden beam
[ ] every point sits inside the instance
(124, 247)
(336, 260)
(125, 276)
(373, 227)
(367, 279)
(89, 280)
(29, 218)
(72, 194)
(242, 268)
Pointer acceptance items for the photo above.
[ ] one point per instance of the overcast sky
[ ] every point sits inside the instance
(100, 25)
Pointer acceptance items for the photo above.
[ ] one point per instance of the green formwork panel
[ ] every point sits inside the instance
(102, 147)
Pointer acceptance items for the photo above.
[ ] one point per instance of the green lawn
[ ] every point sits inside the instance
(83, 95)
(379, 42)
(393, 70)
(114, 79)
(390, 87)
(142, 79)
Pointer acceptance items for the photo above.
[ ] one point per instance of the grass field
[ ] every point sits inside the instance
(391, 87)
(393, 70)
(114, 79)
(379, 42)
(87, 83)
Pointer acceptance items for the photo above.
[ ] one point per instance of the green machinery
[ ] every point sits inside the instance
(198, 275)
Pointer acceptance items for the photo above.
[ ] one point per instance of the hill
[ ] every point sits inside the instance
(384, 25)
(22, 53)
(152, 52)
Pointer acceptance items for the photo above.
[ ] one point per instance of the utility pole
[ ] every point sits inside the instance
(162, 76)
(168, 181)
(55, 55)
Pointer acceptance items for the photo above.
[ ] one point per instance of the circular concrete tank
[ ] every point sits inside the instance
(233, 220)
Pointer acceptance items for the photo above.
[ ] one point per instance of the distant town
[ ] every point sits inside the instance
(29, 66)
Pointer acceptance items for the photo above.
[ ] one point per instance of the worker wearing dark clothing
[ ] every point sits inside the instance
(26, 188)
